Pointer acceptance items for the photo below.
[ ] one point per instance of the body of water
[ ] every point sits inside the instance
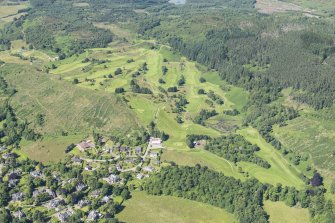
(178, 2)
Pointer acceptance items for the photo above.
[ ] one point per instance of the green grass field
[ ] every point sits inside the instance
(281, 171)
(281, 213)
(204, 158)
(313, 135)
(9, 12)
(67, 107)
(143, 208)
(49, 149)
(157, 108)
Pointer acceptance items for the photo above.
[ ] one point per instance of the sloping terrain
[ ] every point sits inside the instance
(65, 107)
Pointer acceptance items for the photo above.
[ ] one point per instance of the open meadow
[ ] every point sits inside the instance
(9, 12)
(279, 212)
(313, 135)
(281, 170)
(143, 208)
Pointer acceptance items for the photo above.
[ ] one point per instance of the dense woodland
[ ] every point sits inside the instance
(235, 148)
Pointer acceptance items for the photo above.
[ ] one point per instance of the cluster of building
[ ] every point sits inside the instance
(137, 161)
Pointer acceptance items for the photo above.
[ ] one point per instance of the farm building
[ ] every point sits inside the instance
(87, 144)
(155, 142)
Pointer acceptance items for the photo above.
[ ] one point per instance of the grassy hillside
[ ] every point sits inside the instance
(279, 213)
(69, 112)
(67, 107)
(281, 171)
(143, 208)
(158, 107)
(9, 12)
(312, 134)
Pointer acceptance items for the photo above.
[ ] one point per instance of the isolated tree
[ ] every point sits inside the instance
(75, 81)
(201, 91)
(164, 70)
(40, 119)
(125, 194)
(119, 90)
(316, 180)
(202, 80)
(118, 71)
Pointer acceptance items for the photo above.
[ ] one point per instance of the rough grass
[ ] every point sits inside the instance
(312, 135)
(281, 171)
(49, 149)
(67, 107)
(279, 213)
(204, 158)
(9, 12)
(143, 208)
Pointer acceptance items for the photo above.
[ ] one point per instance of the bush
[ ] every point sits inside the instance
(118, 71)
(119, 90)
(75, 81)
(172, 89)
(201, 91)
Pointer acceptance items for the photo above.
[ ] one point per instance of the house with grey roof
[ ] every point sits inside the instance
(19, 214)
(36, 173)
(64, 216)
(19, 196)
(93, 215)
(81, 186)
(112, 179)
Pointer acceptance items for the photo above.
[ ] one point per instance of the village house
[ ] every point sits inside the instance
(154, 155)
(105, 199)
(80, 186)
(13, 175)
(105, 149)
(2, 148)
(95, 194)
(148, 168)
(76, 160)
(130, 160)
(19, 214)
(123, 149)
(94, 215)
(64, 216)
(138, 150)
(139, 176)
(12, 183)
(58, 179)
(155, 142)
(8, 155)
(44, 190)
(83, 203)
(118, 167)
(55, 204)
(87, 144)
(112, 179)
(18, 196)
(36, 173)
(156, 162)
(88, 168)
